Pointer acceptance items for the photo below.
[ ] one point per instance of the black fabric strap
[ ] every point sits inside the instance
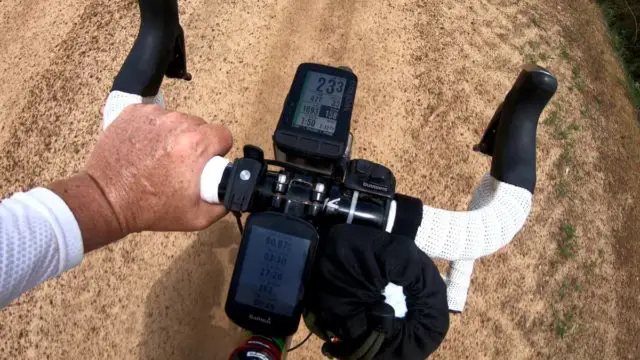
(408, 216)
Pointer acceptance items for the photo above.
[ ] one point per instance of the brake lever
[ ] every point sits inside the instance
(529, 95)
(487, 143)
(177, 67)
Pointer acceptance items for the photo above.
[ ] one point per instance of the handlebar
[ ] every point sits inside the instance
(305, 196)
(511, 136)
(157, 51)
(510, 139)
(498, 209)
(500, 204)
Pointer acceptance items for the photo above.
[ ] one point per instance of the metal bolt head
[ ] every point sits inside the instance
(319, 187)
(282, 178)
(245, 175)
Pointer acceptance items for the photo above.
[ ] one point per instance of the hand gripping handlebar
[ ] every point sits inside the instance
(499, 206)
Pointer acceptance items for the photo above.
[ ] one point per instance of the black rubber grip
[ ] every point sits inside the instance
(156, 51)
(514, 151)
(408, 216)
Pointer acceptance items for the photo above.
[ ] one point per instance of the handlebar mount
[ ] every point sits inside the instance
(364, 196)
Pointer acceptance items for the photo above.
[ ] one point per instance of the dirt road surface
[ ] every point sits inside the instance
(431, 74)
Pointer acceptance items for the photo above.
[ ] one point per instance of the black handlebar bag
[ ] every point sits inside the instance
(345, 302)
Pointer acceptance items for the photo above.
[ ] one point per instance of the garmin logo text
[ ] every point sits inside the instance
(260, 319)
(375, 187)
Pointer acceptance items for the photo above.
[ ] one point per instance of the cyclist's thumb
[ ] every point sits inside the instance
(218, 140)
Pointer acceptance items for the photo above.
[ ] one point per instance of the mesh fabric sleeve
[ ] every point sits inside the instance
(39, 239)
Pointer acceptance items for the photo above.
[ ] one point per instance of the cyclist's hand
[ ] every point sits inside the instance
(144, 174)
(148, 165)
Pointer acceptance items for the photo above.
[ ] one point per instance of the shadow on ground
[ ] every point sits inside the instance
(184, 316)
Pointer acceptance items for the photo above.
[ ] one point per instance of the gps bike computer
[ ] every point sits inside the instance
(273, 264)
(316, 117)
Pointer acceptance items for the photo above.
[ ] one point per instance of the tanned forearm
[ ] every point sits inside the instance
(93, 212)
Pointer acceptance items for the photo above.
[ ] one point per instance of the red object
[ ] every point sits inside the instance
(258, 344)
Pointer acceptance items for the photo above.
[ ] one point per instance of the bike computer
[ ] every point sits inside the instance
(316, 117)
(273, 264)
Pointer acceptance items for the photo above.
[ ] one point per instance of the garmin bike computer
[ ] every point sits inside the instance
(274, 261)
(316, 117)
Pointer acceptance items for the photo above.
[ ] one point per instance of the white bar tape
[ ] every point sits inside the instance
(210, 179)
(497, 212)
(458, 281)
(118, 101)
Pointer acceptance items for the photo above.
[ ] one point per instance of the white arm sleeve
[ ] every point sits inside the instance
(39, 239)
(39, 235)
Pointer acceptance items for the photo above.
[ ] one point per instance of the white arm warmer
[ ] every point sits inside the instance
(39, 239)
(39, 235)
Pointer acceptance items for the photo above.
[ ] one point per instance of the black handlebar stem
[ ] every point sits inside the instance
(157, 51)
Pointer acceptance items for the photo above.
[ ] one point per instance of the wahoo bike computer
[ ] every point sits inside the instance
(273, 264)
(316, 117)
